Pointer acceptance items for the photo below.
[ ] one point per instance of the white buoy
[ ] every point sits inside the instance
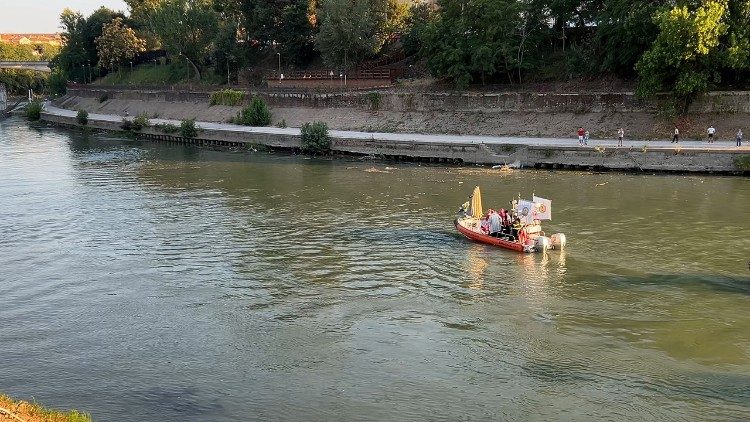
(542, 243)
(558, 241)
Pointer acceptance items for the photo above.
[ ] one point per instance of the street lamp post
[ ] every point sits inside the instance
(279, 54)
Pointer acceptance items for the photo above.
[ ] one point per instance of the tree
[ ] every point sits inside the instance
(347, 32)
(685, 57)
(391, 17)
(18, 81)
(480, 39)
(141, 14)
(73, 53)
(79, 33)
(624, 32)
(186, 28)
(117, 44)
(296, 33)
(420, 16)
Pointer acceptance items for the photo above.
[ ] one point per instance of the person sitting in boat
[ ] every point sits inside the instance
(495, 226)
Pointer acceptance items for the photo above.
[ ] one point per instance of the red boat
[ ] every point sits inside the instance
(525, 235)
(485, 238)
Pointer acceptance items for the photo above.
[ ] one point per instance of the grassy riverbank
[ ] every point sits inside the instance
(19, 410)
(159, 74)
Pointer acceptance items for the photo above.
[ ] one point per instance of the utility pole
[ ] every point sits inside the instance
(279, 54)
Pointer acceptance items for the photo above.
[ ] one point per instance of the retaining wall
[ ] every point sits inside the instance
(645, 159)
(389, 100)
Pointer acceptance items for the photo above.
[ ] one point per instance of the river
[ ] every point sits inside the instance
(147, 281)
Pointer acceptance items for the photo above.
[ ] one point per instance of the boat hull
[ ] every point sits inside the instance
(489, 240)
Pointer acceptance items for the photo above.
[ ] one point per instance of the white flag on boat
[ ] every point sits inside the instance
(543, 208)
(526, 211)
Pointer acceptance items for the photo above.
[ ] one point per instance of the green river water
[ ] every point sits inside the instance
(146, 281)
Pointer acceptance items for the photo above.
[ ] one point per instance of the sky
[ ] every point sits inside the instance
(43, 16)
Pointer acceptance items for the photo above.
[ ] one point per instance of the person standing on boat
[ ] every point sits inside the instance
(495, 225)
(515, 228)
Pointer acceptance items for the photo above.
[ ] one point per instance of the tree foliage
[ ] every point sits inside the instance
(186, 28)
(474, 40)
(18, 81)
(347, 31)
(685, 57)
(117, 45)
(79, 52)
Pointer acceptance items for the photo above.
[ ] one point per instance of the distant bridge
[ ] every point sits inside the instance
(38, 66)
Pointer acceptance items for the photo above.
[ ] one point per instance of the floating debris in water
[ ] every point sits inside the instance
(374, 170)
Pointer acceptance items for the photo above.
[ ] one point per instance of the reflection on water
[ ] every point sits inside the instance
(476, 265)
(159, 282)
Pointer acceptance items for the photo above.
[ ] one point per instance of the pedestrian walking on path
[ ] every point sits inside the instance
(620, 135)
(586, 138)
(711, 132)
(739, 138)
(581, 133)
(676, 135)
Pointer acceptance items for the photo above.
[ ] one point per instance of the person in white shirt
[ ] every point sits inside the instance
(739, 138)
(620, 135)
(711, 132)
(676, 135)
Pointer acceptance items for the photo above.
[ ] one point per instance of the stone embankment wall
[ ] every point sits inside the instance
(726, 102)
(462, 113)
(637, 159)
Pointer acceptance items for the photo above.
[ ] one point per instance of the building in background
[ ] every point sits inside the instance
(30, 39)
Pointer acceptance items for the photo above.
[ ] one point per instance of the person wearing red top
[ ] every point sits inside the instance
(581, 132)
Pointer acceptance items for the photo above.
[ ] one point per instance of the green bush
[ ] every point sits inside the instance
(188, 128)
(167, 127)
(126, 125)
(104, 97)
(256, 114)
(57, 83)
(375, 99)
(82, 117)
(315, 138)
(140, 121)
(228, 97)
(742, 162)
(34, 110)
(281, 124)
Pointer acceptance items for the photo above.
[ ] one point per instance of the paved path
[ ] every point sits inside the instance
(422, 138)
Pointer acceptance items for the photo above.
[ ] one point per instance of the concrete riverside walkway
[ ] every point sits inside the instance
(437, 139)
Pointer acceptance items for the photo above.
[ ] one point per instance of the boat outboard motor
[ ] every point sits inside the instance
(558, 241)
(542, 243)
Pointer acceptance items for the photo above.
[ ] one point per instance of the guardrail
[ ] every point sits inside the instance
(28, 65)
(208, 90)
